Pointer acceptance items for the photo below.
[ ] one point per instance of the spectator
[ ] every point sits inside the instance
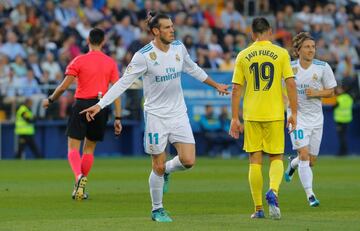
(70, 30)
(64, 13)
(211, 128)
(228, 64)
(12, 48)
(51, 66)
(345, 72)
(190, 46)
(91, 13)
(231, 15)
(128, 32)
(25, 130)
(289, 19)
(10, 91)
(215, 130)
(19, 66)
(18, 14)
(343, 117)
(34, 65)
(48, 11)
(31, 89)
(83, 27)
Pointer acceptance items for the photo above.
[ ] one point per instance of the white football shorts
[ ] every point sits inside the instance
(310, 137)
(159, 131)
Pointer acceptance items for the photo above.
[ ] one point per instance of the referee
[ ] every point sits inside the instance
(93, 72)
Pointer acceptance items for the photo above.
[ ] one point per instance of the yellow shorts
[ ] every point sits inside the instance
(267, 136)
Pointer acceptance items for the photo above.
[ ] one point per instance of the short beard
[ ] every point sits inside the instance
(165, 41)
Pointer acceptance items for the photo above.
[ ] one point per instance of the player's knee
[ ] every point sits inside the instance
(188, 162)
(304, 156)
(159, 168)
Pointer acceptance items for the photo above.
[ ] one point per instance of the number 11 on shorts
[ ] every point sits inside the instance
(153, 137)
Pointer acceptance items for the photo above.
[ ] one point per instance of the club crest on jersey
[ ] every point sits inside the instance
(129, 69)
(177, 57)
(315, 77)
(152, 55)
(295, 70)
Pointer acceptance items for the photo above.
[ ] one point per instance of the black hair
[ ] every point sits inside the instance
(153, 19)
(96, 36)
(260, 25)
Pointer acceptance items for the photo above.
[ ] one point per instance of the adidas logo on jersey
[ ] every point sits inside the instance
(156, 63)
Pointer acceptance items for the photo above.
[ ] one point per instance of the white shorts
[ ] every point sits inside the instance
(160, 131)
(310, 137)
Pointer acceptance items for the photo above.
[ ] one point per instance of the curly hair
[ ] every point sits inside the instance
(298, 40)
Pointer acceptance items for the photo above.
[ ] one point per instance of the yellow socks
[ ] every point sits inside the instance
(256, 184)
(276, 174)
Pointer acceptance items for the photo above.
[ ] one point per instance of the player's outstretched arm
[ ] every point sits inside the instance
(221, 88)
(91, 112)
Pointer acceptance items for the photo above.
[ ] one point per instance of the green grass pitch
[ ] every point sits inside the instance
(36, 195)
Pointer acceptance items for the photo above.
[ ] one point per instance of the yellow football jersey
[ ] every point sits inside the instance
(261, 68)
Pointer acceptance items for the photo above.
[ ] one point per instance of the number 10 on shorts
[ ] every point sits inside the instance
(153, 137)
(299, 134)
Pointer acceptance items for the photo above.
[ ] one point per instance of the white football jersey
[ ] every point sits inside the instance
(161, 73)
(318, 75)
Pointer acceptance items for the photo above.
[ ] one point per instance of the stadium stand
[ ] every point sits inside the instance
(38, 38)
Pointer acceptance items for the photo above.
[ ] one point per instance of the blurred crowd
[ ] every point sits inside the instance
(38, 38)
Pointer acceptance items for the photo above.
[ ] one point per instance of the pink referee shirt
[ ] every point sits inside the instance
(94, 72)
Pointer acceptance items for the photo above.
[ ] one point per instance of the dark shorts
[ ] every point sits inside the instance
(79, 128)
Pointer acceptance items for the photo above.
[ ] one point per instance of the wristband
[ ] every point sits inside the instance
(50, 100)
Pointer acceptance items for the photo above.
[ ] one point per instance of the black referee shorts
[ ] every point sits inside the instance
(79, 128)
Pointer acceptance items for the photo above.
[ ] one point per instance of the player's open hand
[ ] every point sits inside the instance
(311, 92)
(235, 128)
(117, 127)
(291, 123)
(91, 112)
(222, 89)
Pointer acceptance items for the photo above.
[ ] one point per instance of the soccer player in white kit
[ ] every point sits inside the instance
(160, 64)
(314, 80)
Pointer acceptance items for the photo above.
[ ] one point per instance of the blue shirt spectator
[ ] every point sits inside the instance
(12, 48)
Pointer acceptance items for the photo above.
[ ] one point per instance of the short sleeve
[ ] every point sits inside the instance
(328, 77)
(287, 71)
(73, 68)
(238, 76)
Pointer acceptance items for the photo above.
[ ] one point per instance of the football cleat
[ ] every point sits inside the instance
(272, 200)
(289, 172)
(80, 188)
(166, 182)
(258, 214)
(85, 196)
(313, 201)
(160, 215)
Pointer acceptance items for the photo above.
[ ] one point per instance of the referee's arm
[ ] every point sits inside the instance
(59, 90)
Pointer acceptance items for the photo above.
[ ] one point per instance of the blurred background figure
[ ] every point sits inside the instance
(25, 130)
(215, 130)
(343, 117)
